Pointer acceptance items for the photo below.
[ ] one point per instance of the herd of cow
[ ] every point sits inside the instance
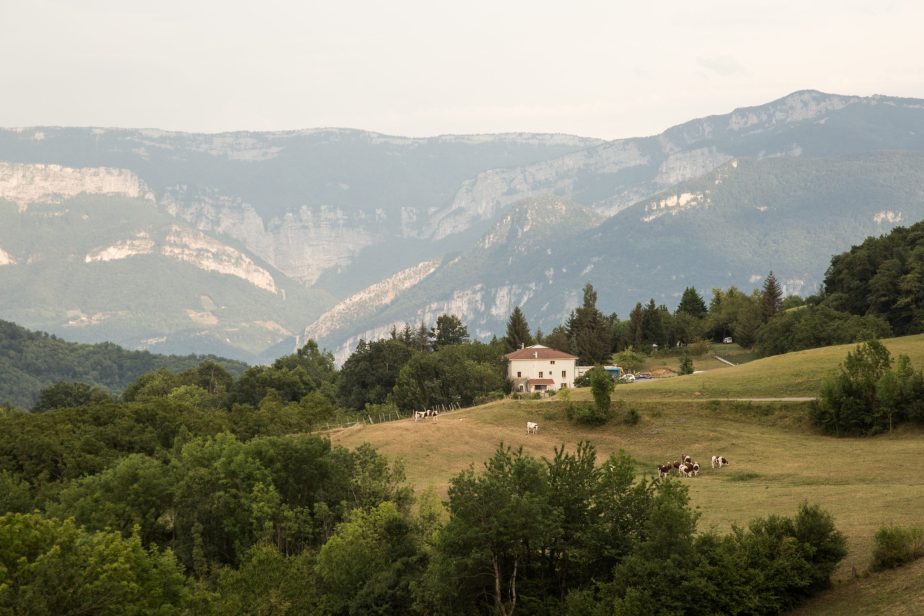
(687, 467)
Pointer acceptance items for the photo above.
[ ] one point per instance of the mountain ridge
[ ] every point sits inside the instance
(331, 213)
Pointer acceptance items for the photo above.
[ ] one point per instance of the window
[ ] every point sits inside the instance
(564, 386)
(552, 362)
(540, 374)
(564, 374)
(519, 374)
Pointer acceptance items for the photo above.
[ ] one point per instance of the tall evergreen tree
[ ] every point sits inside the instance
(517, 331)
(692, 303)
(422, 338)
(771, 298)
(589, 331)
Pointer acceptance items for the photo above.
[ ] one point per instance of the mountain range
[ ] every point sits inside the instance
(245, 244)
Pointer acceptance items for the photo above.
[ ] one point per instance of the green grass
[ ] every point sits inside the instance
(792, 375)
(670, 360)
(777, 460)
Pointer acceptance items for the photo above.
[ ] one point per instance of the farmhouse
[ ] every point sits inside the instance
(540, 368)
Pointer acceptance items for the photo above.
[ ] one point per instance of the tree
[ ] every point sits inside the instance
(847, 404)
(130, 497)
(497, 519)
(370, 373)
(367, 563)
(601, 386)
(771, 297)
(449, 331)
(686, 363)
(589, 331)
(692, 304)
(56, 568)
(517, 331)
(65, 394)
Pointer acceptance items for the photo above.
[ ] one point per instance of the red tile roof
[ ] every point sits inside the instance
(537, 351)
(540, 382)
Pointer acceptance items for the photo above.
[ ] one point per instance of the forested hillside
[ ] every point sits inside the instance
(31, 361)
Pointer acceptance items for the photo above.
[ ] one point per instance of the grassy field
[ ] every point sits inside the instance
(794, 374)
(707, 361)
(777, 460)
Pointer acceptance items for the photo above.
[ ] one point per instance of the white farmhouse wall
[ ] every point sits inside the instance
(561, 371)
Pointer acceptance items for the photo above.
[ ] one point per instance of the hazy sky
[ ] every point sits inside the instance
(613, 68)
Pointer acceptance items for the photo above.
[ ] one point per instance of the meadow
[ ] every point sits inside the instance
(777, 460)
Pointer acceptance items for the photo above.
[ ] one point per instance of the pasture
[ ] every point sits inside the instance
(777, 460)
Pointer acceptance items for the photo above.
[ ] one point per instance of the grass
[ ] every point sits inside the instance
(671, 360)
(777, 460)
(796, 374)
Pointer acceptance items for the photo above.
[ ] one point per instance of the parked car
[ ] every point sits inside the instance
(643, 375)
(627, 378)
(727, 340)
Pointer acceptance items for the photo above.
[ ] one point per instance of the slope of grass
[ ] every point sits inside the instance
(792, 375)
(777, 460)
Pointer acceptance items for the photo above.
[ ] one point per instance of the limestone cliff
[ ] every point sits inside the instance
(24, 184)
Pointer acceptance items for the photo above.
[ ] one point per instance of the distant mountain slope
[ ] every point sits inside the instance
(108, 267)
(307, 202)
(507, 267)
(729, 227)
(246, 240)
(31, 361)
(614, 175)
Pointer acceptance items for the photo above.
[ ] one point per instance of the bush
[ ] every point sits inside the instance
(895, 546)
(632, 417)
(586, 414)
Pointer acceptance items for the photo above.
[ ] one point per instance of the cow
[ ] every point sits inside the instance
(532, 427)
(665, 469)
(719, 461)
(418, 415)
(695, 469)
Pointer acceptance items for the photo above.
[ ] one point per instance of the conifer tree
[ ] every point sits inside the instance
(517, 331)
(771, 298)
(692, 303)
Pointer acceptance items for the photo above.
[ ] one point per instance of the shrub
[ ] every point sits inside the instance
(686, 364)
(632, 417)
(586, 414)
(895, 546)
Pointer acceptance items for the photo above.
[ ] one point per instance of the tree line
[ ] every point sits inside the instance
(157, 507)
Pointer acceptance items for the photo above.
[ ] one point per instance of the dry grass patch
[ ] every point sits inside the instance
(776, 461)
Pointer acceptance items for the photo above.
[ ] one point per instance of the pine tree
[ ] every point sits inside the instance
(692, 303)
(589, 331)
(517, 331)
(771, 298)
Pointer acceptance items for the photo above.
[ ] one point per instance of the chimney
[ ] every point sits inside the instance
(522, 345)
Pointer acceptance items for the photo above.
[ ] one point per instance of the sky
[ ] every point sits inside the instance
(608, 69)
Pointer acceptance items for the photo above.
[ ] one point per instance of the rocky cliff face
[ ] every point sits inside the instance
(24, 184)
(303, 243)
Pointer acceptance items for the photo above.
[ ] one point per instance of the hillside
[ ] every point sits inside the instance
(30, 361)
(729, 227)
(777, 460)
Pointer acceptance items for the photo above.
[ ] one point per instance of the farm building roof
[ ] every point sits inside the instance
(540, 382)
(537, 351)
